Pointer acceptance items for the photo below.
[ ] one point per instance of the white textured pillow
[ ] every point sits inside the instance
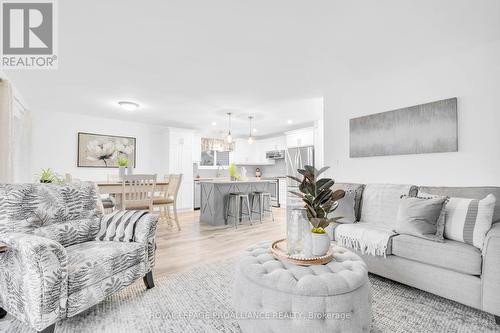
(468, 220)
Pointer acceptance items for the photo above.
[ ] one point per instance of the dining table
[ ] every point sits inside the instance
(115, 188)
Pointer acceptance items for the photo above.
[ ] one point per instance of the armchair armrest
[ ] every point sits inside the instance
(490, 277)
(145, 231)
(33, 279)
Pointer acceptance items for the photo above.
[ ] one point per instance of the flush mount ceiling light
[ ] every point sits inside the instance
(128, 106)
(289, 121)
(229, 137)
(250, 137)
(214, 123)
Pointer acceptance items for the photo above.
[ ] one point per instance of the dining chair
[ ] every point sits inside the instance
(168, 199)
(112, 177)
(138, 192)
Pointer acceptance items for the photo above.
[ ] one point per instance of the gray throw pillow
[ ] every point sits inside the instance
(346, 208)
(421, 217)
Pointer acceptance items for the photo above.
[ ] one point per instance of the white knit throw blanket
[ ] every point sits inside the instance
(364, 237)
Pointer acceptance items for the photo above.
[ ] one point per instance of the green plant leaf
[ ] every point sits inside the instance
(324, 183)
(338, 194)
(320, 171)
(295, 178)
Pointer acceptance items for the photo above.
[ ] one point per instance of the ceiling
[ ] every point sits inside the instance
(189, 62)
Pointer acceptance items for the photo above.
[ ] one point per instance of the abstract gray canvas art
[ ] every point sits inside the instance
(420, 129)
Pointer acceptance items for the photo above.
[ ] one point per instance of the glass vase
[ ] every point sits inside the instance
(297, 229)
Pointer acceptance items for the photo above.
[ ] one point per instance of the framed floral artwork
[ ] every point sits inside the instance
(103, 151)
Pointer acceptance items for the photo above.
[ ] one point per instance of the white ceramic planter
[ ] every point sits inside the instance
(121, 172)
(320, 244)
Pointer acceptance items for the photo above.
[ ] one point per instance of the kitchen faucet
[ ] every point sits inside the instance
(219, 167)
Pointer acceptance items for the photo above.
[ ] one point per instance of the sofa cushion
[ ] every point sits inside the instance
(66, 213)
(380, 202)
(468, 220)
(119, 226)
(358, 192)
(91, 262)
(453, 255)
(345, 208)
(421, 217)
(478, 192)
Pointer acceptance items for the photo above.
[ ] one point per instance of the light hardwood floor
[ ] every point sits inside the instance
(198, 244)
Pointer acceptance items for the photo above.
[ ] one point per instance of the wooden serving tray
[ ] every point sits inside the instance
(3, 247)
(280, 252)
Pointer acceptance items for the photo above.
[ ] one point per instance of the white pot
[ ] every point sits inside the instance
(320, 244)
(130, 170)
(121, 172)
(307, 245)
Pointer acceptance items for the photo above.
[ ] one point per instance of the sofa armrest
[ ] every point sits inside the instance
(490, 277)
(33, 279)
(145, 232)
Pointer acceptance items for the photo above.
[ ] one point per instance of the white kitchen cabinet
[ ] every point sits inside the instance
(250, 154)
(274, 143)
(196, 147)
(243, 152)
(300, 138)
(180, 157)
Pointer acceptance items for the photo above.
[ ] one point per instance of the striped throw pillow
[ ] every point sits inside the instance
(468, 220)
(119, 226)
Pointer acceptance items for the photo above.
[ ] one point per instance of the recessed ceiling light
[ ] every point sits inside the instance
(289, 121)
(214, 123)
(128, 106)
(254, 130)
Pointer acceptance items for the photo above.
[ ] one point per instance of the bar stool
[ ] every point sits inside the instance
(263, 198)
(234, 207)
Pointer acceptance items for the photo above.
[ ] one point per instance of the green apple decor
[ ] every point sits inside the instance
(320, 200)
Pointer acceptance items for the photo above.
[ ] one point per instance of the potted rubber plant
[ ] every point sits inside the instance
(319, 201)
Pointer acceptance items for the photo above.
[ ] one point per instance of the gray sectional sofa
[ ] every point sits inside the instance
(451, 269)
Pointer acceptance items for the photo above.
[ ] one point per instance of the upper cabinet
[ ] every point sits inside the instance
(300, 138)
(255, 153)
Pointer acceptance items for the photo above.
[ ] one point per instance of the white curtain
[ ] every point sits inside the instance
(6, 132)
(21, 143)
(15, 137)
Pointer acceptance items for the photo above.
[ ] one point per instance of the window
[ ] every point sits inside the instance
(215, 158)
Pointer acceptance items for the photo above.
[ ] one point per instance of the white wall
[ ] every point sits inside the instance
(472, 75)
(55, 144)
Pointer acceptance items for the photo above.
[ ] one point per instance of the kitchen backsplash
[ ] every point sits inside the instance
(278, 169)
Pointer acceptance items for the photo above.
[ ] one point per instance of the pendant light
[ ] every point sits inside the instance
(250, 137)
(229, 138)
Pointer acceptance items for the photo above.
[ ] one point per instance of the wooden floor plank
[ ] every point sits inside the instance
(197, 244)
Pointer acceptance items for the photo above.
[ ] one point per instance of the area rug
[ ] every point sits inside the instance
(200, 301)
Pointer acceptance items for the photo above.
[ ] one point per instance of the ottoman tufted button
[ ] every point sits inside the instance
(276, 286)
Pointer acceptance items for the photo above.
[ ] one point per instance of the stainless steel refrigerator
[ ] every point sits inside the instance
(296, 158)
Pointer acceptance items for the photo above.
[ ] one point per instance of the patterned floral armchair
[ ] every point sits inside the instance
(63, 256)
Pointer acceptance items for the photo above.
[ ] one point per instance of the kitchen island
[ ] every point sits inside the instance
(214, 194)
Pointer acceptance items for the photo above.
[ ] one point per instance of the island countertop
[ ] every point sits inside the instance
(215, 192)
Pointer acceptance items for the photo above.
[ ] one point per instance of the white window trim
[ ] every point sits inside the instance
(215, 167)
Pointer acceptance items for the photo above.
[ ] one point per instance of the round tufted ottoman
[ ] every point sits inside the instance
(275, 296)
